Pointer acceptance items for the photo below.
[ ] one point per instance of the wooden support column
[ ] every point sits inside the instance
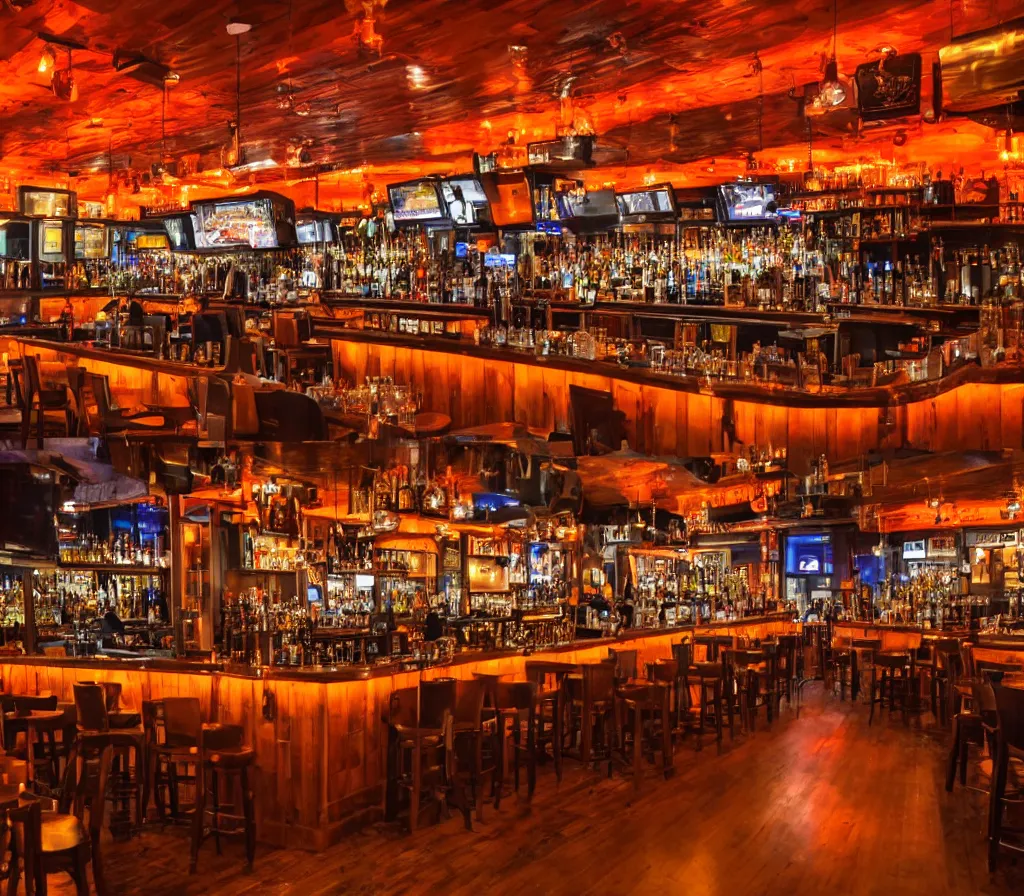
(29, 637)
(177, 573)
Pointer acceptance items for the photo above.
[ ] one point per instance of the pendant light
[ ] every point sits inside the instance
(832, 93)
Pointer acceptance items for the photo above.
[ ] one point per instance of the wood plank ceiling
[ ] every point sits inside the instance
(426, 82)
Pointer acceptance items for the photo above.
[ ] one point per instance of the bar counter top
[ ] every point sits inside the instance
(350, 673)
(761, 392)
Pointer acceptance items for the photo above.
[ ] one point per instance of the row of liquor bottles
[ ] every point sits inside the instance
(124, 549)
(68, 597)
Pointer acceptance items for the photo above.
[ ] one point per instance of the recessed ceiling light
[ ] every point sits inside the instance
(236, 27)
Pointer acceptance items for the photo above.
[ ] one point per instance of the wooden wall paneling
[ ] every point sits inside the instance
(627, 398)
(1012, 415)
(665, 423)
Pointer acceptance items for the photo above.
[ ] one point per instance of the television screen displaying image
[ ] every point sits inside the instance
(91, 241)
(416, 202)
(466, 200)
(307, 232)
(914, 550)
(809, 555)
(748, 202)
(590, 204)
(646, 202)
(247, 222)
(179, 230)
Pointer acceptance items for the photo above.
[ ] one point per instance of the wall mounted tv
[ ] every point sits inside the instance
(809, 555)
(747, 203)
(417, 202)
(466, 201)
(47, 203)
(261, 221)
(91, 241)
(587, 210)
(657, 203)
(180, 230)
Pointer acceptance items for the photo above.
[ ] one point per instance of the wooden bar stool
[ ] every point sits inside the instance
(891, 679)
(475, 750)
(643, 717)
(550, 678)
(592, 701)
(128, 778)
(1009, 745)
(224, 759)
(421, 766)
(519, 702)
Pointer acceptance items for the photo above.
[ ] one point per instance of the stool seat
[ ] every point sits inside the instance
(228, 759)
(62, 832)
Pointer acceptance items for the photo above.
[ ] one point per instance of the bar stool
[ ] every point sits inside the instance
(475, 749)
(976, 727)
(862, 658)
(591, 701)
(635, 704)
(41, 747)
(838, 663)
(422, 745)
(711, 699)
(223, 759)
(625, 664)
(174, 759)
(1009, 744)
(945, 677)
(891, 677)
(519, 702)
(127, 779)
(551, 705)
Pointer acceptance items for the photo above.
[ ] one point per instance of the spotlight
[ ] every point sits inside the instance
(236, 27)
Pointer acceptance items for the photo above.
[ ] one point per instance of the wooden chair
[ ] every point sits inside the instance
(69, 839)
(1009, 743)
(42, 400)
(110, 419)
(519, 701)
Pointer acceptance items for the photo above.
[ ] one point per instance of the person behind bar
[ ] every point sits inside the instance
(626, 607)
(432, 627)
(112, 624)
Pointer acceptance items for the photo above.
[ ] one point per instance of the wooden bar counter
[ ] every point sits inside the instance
(320, 741)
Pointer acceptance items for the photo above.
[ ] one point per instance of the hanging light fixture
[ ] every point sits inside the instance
(831, 92)
(47, 61)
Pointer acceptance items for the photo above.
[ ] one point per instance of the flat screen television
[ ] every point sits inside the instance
(809, 555)
(235, 224)
(657, 203)
(745, 203)
(51, 241)
(417, 202)
(466, 201)
(15, 239)
(180, 230)
(588, 204)
(91, 241)
(46, 203)
(510, 198)
(29, 499)
(914, 550)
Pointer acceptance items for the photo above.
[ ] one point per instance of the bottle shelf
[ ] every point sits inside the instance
(116, 568)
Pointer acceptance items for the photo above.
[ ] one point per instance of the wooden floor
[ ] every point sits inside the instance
(817, 805)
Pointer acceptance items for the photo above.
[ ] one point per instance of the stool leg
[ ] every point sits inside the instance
(215, 799)
(250, 820)
(197, 817)
(954, 757)
(556, 748)
(417, 783)
(638, 740)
